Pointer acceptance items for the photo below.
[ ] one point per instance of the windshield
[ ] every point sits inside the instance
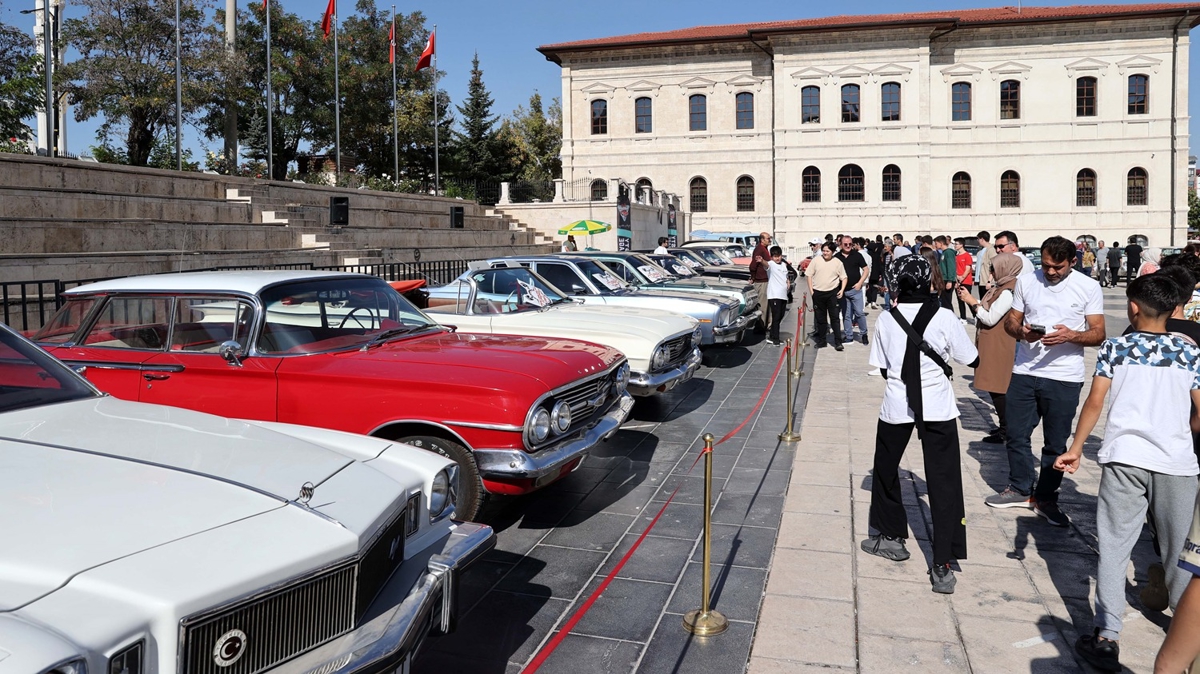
(30, 377)
(332, 314)
(500, 291)
(710, 256)
(604, 278)
(650, 269)
(736, 251)
(674, 265)
(689, 258)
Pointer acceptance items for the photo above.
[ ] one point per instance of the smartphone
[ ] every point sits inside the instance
(1038, 328)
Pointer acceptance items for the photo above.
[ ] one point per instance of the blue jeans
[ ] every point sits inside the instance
(852, 312)
(1031, 400)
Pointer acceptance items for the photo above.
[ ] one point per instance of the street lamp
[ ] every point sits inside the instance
(47, 65)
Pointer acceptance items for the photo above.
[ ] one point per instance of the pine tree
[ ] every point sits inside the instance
(476, 145)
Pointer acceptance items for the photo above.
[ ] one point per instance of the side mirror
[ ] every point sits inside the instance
(233, 353)
(578, 289)
(80, 370)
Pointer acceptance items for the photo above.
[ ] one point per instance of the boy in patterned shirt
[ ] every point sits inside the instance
(1146, 458)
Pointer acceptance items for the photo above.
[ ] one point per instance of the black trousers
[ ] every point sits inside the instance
(1114, 274)
(1001, 405)
(947, 299)
(1131, 273)
(825, 310)
(776, 307)
(962, 306)
(943, 473)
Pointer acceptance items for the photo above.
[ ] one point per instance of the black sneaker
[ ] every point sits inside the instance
(1099, 653)
(865, 340)
(1049, 511)
(996, 438)
(838, 347)
(886, 547)
(1009, 498)
(941, 576)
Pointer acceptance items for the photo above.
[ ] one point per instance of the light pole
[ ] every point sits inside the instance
(48, 67)
(178, 97)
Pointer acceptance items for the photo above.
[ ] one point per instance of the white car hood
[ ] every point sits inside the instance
(91, 481)
(633, 331)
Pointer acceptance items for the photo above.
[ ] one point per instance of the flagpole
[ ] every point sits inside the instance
(395, 123)
(437, 181)
(178, 95)
(270, 100)
(337, 104)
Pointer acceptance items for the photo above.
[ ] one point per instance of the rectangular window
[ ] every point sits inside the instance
(810, 105)
(1139, 94)
(850, 103)
(810, 186)
(745, 111)
(203, 324)
(643, 122)
(132, 323)
(697, 113)
(1085, 97)
(1010, 99)
(961, 103)
(890, 110)
(599, 118)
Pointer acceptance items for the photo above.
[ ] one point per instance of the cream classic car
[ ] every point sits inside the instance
(144, 539)
(662, 347)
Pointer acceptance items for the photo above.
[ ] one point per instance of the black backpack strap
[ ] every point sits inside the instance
(923, 318)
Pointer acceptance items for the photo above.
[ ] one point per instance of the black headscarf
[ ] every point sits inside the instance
(911, 276)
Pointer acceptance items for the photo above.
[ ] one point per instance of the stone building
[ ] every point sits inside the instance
(1043, 120)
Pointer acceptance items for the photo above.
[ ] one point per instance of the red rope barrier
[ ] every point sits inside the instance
(554, 642)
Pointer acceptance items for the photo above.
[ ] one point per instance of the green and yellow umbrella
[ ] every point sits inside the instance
(585, 227)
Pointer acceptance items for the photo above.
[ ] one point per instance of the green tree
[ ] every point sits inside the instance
(22, 83)
(126, 66)
(478, 151)
(1193, 211)
(538, 139)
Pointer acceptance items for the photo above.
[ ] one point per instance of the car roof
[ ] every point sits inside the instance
(245, 281)
(554, 257)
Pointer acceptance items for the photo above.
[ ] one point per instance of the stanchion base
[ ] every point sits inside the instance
(705, 624)
(789, 437)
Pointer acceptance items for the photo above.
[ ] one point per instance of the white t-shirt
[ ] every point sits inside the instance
(949, 340)
(1026, 264)
(1068, 303)
(661, 250)
(776, 280)
(1152, 379)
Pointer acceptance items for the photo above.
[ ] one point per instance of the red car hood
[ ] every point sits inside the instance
(553, 362)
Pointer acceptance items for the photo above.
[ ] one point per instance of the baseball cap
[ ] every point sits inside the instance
(815, 241)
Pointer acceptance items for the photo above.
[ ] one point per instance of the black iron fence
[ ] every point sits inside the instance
(27, 305)
(530, 191)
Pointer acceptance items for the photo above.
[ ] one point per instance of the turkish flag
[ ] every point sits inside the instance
(392, 43)
(426, 55)
(327, 22)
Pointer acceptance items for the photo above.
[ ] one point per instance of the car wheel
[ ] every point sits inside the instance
(471, 496)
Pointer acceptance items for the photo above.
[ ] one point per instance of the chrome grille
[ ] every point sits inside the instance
(278, 626)
(588, 398)
(678, 349)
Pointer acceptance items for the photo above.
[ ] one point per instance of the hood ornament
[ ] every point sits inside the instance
(306, 493)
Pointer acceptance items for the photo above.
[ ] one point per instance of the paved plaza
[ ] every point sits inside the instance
(787, 570)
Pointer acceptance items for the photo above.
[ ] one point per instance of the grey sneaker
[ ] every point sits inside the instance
(1049, 511)
(942, 578)
(1009, 498)
(886, 547)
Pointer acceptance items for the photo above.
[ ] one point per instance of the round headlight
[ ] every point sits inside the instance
(697, 336)
(623, 377)
(560, 417)
(444, 492)
(539, 425)
(659, 358)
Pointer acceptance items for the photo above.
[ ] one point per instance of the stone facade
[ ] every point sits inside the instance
(1044, 144)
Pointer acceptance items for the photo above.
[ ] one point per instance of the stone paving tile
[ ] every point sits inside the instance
(811, 630)
(585, 530)
(761, 665)
(657, 559)
(589, 655)
(818, 500)
(672, 650)
(893, 654)
(557, 572)
(619, 613)
(830, 533)
(810, 573)
(735, 591)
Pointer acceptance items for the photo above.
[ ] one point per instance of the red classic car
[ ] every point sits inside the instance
(346, 352)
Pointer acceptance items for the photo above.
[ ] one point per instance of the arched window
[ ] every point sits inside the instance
(697, 112)
(1010, 99)
(850, 184)
(599, 189)
(643, 117)
(960, 103)
(890, 102)
(891, 183)
(745, 194)
(1085, 188)
(1085, 97)
(810, 184)
(641, 185)
(1010, 189)
(810, 105)
(1139, 94)
(698, 190)
(745, 110)
(960, 190)
(599, 118)
(850, 103)
(1135, 190)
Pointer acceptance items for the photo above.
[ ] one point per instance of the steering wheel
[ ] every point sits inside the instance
(355, 310)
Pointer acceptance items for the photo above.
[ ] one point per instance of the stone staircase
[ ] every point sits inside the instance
(308, 222)
(516, 225)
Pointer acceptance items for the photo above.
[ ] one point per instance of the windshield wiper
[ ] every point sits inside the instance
(391, 333)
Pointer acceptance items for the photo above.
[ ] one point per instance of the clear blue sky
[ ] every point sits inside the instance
(506, 35)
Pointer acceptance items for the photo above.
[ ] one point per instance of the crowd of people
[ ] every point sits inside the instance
(1032, 327)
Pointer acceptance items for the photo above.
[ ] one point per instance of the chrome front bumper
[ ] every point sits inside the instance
(516, 464)
(646, 384)
(389, 639)
(727, 334)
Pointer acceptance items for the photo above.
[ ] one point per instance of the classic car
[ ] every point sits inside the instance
(643, 273)
(144, 539)
(347, 352)
(705, 266)
(672, 264)
(591, 282)
(732, 252)
(662, 347)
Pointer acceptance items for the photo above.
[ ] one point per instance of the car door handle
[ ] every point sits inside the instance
(155, 376)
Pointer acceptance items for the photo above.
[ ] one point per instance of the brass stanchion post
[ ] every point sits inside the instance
(705, 622)
(789, 435)
(801, 343)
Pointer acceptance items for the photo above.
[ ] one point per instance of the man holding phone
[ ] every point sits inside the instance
(1055, 314)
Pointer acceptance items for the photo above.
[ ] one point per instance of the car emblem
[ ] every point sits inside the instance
(230, 648)
(306, 493)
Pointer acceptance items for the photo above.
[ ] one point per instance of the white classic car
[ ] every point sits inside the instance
(662, 347)
(144, 539)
